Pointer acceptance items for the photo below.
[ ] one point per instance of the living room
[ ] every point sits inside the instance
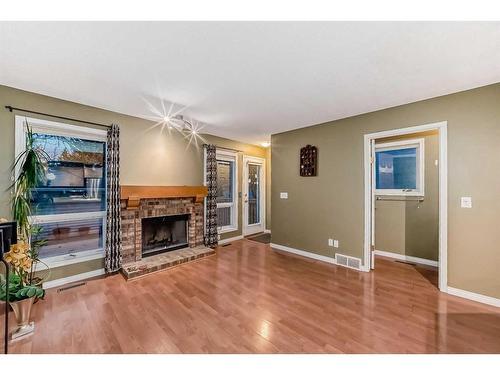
(249, 187)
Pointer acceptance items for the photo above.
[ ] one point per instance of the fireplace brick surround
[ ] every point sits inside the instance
(155, 202)
(132, 222)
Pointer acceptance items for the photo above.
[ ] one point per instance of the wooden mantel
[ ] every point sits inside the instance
(133, 193)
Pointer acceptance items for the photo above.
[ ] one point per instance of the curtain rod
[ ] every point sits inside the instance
(226, 148)
(408, 199)
(11, 109)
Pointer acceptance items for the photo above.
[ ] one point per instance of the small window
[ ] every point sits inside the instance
(399, 168)
(227, 214)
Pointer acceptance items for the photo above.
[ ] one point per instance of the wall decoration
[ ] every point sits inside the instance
(308, 161)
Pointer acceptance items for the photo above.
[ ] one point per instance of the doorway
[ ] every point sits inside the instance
(413, 192)
(254, 211)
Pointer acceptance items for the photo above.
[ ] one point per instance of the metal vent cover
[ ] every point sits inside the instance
(341, 260)
(348, 261)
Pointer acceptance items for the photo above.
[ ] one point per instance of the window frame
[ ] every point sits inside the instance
(419, 143)
(230, 156)
(41, 126)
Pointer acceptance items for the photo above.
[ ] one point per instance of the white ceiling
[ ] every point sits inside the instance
(247, 80)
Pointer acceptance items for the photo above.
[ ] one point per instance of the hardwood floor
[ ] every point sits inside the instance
(251, 299)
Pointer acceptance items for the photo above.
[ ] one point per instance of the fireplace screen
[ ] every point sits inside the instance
(164, 233)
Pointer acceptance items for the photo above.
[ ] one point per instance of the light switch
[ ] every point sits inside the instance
(284, 195)
(466, 202)
(336, 243)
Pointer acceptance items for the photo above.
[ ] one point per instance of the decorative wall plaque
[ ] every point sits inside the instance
(308, 161)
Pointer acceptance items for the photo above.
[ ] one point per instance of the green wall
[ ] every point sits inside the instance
(331, 204)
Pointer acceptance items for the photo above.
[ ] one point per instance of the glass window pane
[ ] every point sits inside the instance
(225, 181)
(396, 169)
(75, 180)
(71, 237)
(223, 216)
(253, 194)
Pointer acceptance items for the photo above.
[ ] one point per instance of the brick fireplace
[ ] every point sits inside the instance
(142, 202)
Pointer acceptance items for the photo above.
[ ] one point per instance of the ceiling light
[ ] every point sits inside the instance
(166, 118)
(265, 144)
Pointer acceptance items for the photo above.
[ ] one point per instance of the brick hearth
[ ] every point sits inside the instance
(164, 261)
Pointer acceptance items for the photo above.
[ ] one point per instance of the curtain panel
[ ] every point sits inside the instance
(211, 235)
(113, 257)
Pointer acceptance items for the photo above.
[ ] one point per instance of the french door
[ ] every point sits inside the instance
(254, 190)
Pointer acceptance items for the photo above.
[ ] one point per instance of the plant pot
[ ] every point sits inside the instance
(22, 311)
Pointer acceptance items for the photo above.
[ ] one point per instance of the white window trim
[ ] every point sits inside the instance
(398, 145)
(58, 128)
(231, 156)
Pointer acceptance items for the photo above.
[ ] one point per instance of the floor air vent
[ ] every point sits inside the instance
(71, 286)
(347, 261)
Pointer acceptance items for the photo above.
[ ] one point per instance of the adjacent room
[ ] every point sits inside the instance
(249, 187)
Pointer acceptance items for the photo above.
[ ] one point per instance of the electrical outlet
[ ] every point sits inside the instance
(336, 243)
(466, 202)
(284, 195)
(330, 242)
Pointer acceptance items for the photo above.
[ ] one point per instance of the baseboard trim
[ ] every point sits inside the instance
(227, 240)
(308, 254)
(492, 301)
(73, 278)
(267, 230)
(303, 253)
(407, 258)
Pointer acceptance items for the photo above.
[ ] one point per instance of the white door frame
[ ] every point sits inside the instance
(262, 187)
(442, 128)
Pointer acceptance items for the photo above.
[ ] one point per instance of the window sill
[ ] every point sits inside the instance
(64, 260)
(226, 230)
(399, 193)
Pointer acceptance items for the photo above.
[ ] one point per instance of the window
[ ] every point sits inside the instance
(69, 204)
(227, 209)
(399, 168)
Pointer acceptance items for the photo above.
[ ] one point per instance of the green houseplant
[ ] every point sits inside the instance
(30, 168)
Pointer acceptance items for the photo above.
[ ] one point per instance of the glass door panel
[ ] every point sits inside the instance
(253, 194)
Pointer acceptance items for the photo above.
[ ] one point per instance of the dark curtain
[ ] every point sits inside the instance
(211, 200)
(113, 256)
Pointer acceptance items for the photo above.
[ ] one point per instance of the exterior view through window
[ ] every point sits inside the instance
(69, 203)
(399, 168)
(226, 191)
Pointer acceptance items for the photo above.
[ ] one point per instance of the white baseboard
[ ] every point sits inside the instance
(474, 296)
(304, 253)
(308, 254)
(72, 279)
(407, 258)
(227, 240)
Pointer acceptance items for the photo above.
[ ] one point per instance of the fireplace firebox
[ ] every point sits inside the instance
(164, 233)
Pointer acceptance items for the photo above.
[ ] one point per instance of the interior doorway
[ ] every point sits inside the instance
(397, 172)
(254, 212)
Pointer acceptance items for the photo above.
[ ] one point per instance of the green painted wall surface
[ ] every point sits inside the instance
(147, 155)
(331, 204)
(412, 228)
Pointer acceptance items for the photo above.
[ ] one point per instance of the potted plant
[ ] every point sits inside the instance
(21, 291)
(25, 280)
